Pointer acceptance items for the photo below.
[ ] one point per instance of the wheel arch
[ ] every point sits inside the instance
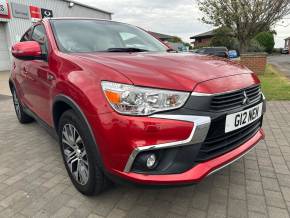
(62, 103)
(11, 84)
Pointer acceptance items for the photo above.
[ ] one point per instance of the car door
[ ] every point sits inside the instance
(19, 71)
(39, 77)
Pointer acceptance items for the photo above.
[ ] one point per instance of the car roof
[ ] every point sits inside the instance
(81, 18)
(75, 18)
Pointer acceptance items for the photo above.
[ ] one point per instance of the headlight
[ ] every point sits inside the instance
(134, 100)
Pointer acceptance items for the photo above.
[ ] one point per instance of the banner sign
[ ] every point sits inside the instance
(35, 13)
(45, 13)
(4, 9)
(20, 11)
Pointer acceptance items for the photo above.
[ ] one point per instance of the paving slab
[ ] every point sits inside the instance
(4, 85)
(34, 183)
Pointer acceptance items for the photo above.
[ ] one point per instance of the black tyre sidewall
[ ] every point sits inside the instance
(23, 118)
(96, 179)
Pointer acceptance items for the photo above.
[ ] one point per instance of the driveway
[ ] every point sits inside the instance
(282, 62)
(34, 183)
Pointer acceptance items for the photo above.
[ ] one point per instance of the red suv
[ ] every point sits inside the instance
(125, 108)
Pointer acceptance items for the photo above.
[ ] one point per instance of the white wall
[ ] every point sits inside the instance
(4, 50)
(14, 28)
(18, 26)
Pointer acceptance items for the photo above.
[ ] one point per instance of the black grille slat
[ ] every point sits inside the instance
(217, 145)
(229, 140)
(231, 100)
(225, 96)
(220, 107)
(249, 91)
(253, 94)
(227, 101)
(255, 99)
(230, 134)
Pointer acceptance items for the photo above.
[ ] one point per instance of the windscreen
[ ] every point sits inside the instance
(102, 36)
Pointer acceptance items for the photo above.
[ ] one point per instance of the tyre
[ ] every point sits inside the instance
(22, 116)
(80, 155)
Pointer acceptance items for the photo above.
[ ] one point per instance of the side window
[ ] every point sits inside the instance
(26, 36)
(39, 35)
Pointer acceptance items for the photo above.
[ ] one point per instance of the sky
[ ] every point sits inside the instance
(173, 17)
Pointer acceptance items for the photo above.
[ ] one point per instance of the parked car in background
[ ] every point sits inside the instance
(215, 51)
(284, 51)
(124, 108)
(233, 54)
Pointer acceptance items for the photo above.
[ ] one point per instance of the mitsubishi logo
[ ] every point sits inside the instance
(246, 100)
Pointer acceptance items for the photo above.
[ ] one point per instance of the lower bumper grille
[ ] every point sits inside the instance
(214, 146)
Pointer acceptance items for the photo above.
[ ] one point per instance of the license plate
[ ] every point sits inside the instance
(243, 118)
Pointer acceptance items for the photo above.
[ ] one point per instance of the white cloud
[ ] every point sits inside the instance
(174, 17)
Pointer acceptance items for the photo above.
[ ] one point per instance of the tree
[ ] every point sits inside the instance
(246, 18)
(188, 45)
(175, 39)
(266, 39)
(223, 36)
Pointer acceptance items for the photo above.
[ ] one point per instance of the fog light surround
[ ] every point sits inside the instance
(147, 161)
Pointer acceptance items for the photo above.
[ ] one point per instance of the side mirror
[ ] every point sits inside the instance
(28, 50)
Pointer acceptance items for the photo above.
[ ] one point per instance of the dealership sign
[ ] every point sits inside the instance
(4, 9)
(19, 10)
(37, 13)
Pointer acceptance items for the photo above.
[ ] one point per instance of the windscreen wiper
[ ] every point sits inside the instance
(171, 50)
(126, 50)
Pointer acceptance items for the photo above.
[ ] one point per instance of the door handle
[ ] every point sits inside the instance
(50, 77)
(25, 70)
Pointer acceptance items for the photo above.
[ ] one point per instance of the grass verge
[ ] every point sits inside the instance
(275, 86)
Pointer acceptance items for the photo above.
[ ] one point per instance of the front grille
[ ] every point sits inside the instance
(215, 145)
(235, 99)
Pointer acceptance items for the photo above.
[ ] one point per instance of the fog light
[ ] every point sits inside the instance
(151, 160)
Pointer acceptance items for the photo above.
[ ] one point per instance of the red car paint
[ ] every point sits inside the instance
(79, 76)
(26, 49)
(197, 173)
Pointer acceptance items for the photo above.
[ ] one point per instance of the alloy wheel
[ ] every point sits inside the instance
(75, 154)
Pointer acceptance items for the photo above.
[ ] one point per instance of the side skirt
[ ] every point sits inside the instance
(51, 131)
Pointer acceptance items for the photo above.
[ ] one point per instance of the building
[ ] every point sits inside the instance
(16, 16)
(287, 43)
(171, 41)
(162, 37)
(203, 39)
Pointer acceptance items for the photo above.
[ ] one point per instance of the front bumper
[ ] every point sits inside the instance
(198, 172)
(182, 133)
